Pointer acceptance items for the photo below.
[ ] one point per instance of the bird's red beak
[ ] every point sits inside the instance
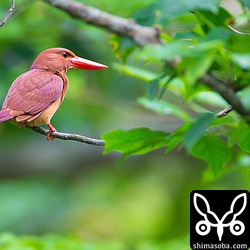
(81, 63)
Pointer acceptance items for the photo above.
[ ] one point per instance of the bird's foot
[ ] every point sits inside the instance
(51, 130)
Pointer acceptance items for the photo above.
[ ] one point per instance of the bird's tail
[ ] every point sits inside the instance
(5, 115)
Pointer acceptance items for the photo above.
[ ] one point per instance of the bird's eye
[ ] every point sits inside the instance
(64, 54)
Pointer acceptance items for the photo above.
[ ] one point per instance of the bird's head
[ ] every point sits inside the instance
(59, 60)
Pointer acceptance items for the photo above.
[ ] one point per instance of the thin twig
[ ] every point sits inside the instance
(9, 13)
(72, 137)
(141, 35)
(228, 93)
(224, 112)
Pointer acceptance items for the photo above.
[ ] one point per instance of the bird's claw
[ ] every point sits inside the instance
(50, 137)
(51, 130)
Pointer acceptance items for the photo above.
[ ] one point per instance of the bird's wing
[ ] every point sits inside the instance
(32, 92)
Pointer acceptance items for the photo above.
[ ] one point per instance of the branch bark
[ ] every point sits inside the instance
(224, 112)
(67, 136)
(9, 13)
(228, 93)
(141, 35)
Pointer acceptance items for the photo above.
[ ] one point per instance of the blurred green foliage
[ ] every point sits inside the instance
(71, 196)
(206, 46)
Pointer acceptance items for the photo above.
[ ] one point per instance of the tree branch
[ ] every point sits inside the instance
(141, 35)
(224, 112)
(72, 137)
(9, 13)
(228, 93)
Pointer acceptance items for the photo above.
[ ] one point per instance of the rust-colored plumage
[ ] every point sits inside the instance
(34, 96)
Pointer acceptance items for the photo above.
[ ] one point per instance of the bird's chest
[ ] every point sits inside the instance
(47, 114)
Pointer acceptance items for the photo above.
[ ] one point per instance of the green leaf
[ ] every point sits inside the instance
(197, 130)
(197, 67)
(245, 3)
(173, 143)
(233, 136)
(136, 72)
(164, 52)
(213, 19)
(209, 5)
(242, 60)
(217, 35)
(134, 142)
(210, 98)
(235, 129)
(239, 44)
(149, 15)
(177, 137)
(212, 150)
(163, 108)
(152, 87)
(244, 141)
(166, 84)
(122, 46)
(202, 49)
(162, 11)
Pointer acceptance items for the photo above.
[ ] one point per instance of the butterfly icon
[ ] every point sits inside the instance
(203, 227)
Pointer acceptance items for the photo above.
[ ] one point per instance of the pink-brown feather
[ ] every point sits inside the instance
(34, 96)
(33, 92)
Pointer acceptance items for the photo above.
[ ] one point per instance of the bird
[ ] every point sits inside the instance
(34, 96)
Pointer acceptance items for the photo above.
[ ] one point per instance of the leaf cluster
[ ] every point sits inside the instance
(197, 38)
